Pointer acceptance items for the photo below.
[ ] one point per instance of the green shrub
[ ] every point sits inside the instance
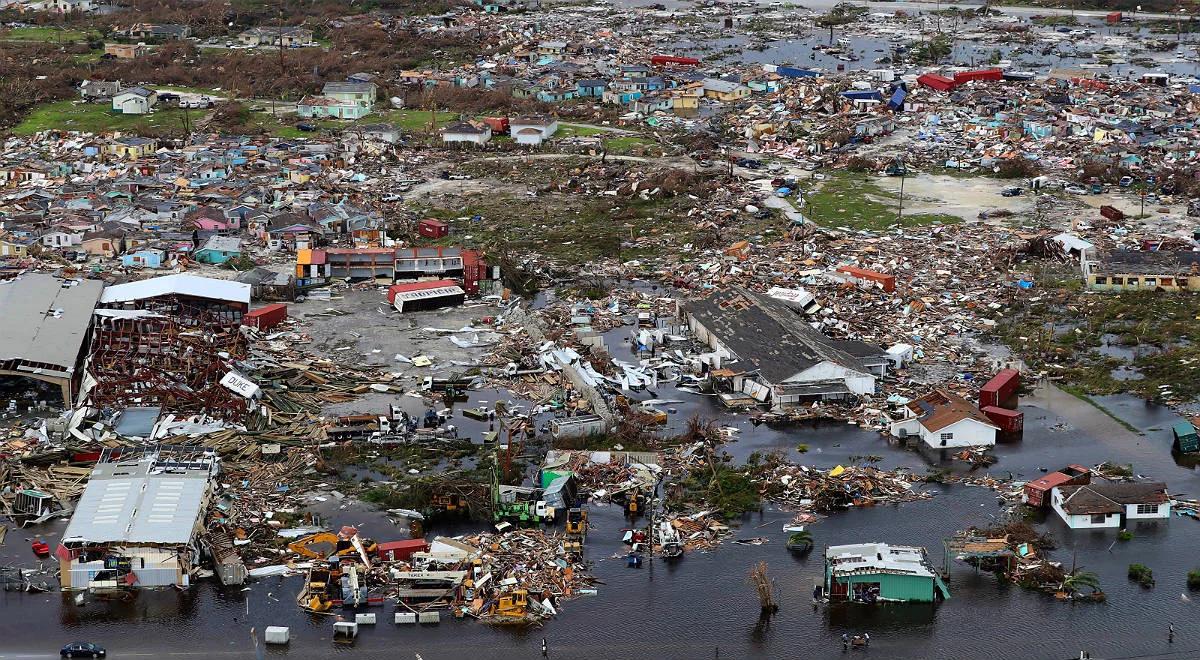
(1141, 574)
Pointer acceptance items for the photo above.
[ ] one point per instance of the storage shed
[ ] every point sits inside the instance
(1186, 440)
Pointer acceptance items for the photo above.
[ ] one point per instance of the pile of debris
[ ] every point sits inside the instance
(839, 488)
(523, 575)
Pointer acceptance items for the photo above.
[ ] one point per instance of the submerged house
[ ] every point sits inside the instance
(944, 420)
(878, 572)
(1099, 505)
(776, 356)
(139, 520)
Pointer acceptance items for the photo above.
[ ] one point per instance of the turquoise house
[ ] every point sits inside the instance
(219, 249)
(872, 573)
(145, 258)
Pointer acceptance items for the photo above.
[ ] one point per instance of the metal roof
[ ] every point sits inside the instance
(141, 502)
(46, 319)
(186, 285)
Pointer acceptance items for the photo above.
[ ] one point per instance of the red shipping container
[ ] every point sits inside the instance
(934, 81)
(401, 550)
(430, 228)
(499, 125)
(978, 74)
(1113, 17)
(1009, 421)
(1001, 390)
(888, 281)
(1112, 213)
(416, 286)
(659, 60)
(265, 318)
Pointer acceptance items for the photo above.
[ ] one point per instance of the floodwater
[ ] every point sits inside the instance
(702, 606)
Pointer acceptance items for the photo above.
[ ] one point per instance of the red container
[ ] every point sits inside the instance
(401, 550)
(1009, 421)
(499, 125)
(1113, 17)
(416, 286)
(265, 318)
(979, 74)
(888, 281)
(934, 81)
(1072, 475)
(1001, 390)
(659, 60)
(430, 228)
(1112, 213)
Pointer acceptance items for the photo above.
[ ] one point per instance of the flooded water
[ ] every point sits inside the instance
(702, 606)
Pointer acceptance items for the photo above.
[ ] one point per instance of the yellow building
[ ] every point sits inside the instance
(133, 147)
(1144, 270)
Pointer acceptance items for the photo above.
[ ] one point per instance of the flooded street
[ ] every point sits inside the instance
(638, 612)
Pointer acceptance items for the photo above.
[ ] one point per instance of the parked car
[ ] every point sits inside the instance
(305, 126)
(1076, 190)
(167, 97)
(83, 650)
(1012, 191)
(1126, 181)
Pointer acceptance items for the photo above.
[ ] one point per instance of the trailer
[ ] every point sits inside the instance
(978, 74)
(887, 282)
(659, 60)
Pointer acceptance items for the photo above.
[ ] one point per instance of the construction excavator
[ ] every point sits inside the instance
(337, 545)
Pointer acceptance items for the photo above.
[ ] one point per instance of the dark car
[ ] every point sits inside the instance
(305, 126)
(83, 650)
(1012, 191)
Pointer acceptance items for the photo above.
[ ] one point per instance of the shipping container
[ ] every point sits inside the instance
(888, 282)
(1010, 421)
(1112, 213)
(265, 318)
(1186, 440)
(401, 550)
(863, 95)
(425, 295)
(1001, 390)
(499, 125)
(430, 228)
(659, 60)
(1113, 17)
(978, 74)
(934, 81)
(897, 100)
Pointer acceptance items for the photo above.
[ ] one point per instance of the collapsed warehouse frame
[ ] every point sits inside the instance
(173, 353)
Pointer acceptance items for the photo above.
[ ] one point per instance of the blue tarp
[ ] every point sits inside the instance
(792, 72)
(897, 101)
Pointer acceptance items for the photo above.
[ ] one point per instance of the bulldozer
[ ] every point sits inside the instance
(577, 522)
(635, 502)
(514, 604)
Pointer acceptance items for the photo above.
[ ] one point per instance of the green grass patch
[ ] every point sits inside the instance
(577, 130)
(855, 201)
(626, 144)
(1082, 396)
(47, 33)
(99, 118)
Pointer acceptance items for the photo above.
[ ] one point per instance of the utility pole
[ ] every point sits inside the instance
(900, 206)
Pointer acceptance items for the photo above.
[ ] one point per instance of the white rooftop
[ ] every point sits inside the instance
(878, 558)
(187, 285)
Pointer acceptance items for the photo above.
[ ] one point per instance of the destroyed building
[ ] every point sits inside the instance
(46, 327)
(139, 519)
(169, 341)
(1144, 270)
(779, 359)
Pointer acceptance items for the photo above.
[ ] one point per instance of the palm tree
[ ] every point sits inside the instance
(1075, 580)
(802, 540)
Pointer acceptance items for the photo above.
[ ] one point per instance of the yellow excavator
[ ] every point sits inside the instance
(304, 547)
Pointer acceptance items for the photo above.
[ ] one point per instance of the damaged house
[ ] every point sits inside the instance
(139, 520)
(778, 357)
(944, 420)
